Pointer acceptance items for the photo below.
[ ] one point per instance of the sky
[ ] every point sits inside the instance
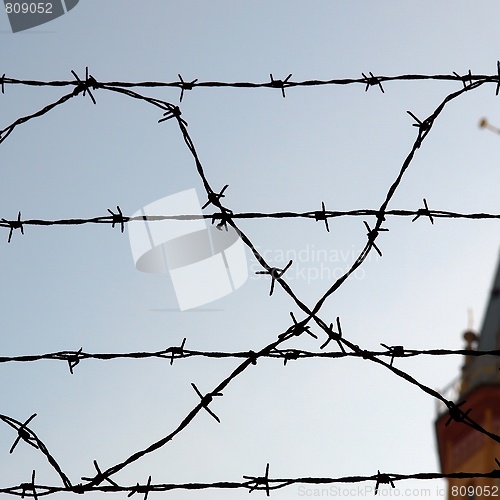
(72, 287)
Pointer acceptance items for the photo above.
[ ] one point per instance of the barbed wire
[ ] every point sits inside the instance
(28, 436)
(226, 217)
(252, 483)
(175, 353)
(118, 219)
(280, 84)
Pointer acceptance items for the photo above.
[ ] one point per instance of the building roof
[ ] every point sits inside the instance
(482, 370)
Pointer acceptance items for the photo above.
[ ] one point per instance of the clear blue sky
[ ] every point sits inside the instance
(72, 287)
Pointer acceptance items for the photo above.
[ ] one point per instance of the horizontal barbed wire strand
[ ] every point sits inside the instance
(253, 483)
(328, 214)
(372, 80)
(175, 353)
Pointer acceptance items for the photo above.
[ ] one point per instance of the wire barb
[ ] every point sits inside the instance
(372, 235)
(275, 274)
(425, 212)
(177, 351)
(14, 224)
(291, 354)
(466, 78)
(85, 86)
(383, 479)
(321, 215)
(206, 400)
(74, 359)
(280, 84)
(259, 481)
(78, 488)
(252, 357)
(25, 434)
(336, 336)
(185, 85)
(173, 112)
(372, 80)
(25, 487)
(456, 413)
(141, 489)
(214, 198)
(423, 128)
(2, 80)
(395, 351)
(99, 477)
(298, 329)
(225, 216)
(117, 218)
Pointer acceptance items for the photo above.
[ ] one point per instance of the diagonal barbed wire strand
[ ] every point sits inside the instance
(27, 435)
(4, 133)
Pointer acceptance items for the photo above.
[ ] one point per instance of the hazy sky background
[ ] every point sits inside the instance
(72, 287)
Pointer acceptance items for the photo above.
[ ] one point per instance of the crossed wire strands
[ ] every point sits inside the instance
(172, 112)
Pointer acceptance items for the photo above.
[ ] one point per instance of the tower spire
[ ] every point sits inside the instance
(460, 447)
(470, 319)
(483, 370)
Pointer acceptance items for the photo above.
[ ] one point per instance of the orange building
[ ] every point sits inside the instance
(461, 448)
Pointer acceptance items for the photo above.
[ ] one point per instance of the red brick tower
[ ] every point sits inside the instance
(461, 448)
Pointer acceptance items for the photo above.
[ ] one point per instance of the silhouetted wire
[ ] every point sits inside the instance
(175, 353)
(277, 275)
(121, 219)
(27, 435)
(4, 133)
(263, 483)
(367, 82)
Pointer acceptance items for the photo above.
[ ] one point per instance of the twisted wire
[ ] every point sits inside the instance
(278, 276)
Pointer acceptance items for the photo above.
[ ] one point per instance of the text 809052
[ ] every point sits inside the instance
(28, 8)
(474, 491)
